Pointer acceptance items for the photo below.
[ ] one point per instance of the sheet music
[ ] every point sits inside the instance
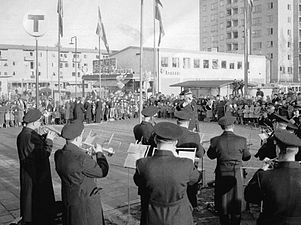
(135, 152)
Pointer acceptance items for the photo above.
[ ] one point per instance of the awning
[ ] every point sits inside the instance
(202, 83)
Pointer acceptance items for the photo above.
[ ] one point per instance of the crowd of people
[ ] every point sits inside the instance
(168, 185)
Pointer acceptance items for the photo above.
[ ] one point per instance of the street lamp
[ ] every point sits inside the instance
(75, 60)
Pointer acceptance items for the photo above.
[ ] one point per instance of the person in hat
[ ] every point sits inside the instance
(143, 132)
(188, 104)
(163, 180)
(268, 149)
(189, 139)
(259, 93)
(78, 170)
(36, 190)
(79, 110)
(279, 188)
(230, 150)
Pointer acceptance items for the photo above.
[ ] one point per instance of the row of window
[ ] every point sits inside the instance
(289, 69)
(186, 63)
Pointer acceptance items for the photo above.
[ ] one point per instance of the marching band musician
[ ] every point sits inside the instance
(229, 150)
(268, 149)
(279, 188)
(143, 132)
(36, 194)
(77, 170)
(163, 180)
(189, 139)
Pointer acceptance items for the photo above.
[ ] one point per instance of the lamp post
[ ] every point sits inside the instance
(75, 60)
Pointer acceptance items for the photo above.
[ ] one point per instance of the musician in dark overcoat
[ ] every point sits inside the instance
(78, 170)
(189, 139)
(189, 104)
(36, 190)
(229, 149)
(88, 111)
(79, 110)
(143, 132)
(279, 188)
(163, 180)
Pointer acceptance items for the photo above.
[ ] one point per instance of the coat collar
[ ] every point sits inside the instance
(163, 153)
(228, 133)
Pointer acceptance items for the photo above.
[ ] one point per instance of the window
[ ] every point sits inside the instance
(289, 44)
(289, 19)
(235, 11)
(31, 53)
(66, 65)
(228, 12)
(5, 73)
(31, 65)
(164, 61)
(289, 7)
(235, 23)
(256, 21)
(270, 44)
(214, 63)
(257, 9)
(41, 54)
(14, 73)
(289, 57)
(14, 63)
(231, 66)
(229, 47)
(257, 45)
(73, 74)
(186, 63)
(85, 56)
(270, 5)
(206, 64)
(65, 55)
(224, 64)
(196, 63)
(229, 35)
(289, 32)
(235, 46)
(61, 65)
(235, 34)
(270, 31)
(270, 18)
(256, 33)
(39, 73)
(239, 65)
(228, 24)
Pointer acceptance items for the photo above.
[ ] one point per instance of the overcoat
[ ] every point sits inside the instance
(80, 194)
(36, 194)
(280, 191)
(143, 132)
(99, 112)
(229, 150)
(163, 180)
(79, 110)
(88, 113)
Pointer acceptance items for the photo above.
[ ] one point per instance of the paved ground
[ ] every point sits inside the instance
(115, 190)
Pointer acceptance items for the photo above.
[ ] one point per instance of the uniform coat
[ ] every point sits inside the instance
(143, 132)
(99, 112)
(80, 194)
(36, 196)
(78, 113)
(88, 113)
(191, 139)
(280, 191)
(229, 150)
(191, 108)
(163, 180)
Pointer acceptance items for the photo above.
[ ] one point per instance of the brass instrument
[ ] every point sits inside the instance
(271, 163)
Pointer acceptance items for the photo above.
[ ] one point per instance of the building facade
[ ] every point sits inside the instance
(272, 25)
(174, 66)
(18, 67)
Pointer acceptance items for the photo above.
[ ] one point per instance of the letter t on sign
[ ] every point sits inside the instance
(36, 19)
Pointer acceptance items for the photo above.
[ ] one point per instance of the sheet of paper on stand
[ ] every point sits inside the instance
(135, 152)
(263, 136)
(187, 153)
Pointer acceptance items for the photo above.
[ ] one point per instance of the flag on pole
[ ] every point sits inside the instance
(250, 4)
(158, 17)
(60, 12)
(100, 31)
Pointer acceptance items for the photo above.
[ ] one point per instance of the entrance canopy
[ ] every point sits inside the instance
(202, 83)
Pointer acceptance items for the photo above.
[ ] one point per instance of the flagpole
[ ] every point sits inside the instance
(59, 60)
(141, 61)
(155, 88)
(246, 51)
(99, 66)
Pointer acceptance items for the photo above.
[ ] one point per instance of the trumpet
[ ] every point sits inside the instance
(270, 163)
(91, 149)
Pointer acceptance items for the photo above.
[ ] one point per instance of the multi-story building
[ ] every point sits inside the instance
(177, 65)
(222, 25)
(297, 40)
(18, 67)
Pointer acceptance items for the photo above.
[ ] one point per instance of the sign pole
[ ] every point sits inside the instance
(37, 74)
(99, 66)
(141, 62)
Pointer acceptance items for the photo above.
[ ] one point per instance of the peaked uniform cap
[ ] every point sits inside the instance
(168, 131)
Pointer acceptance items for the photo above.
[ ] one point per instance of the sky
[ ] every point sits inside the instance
(121, 20)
